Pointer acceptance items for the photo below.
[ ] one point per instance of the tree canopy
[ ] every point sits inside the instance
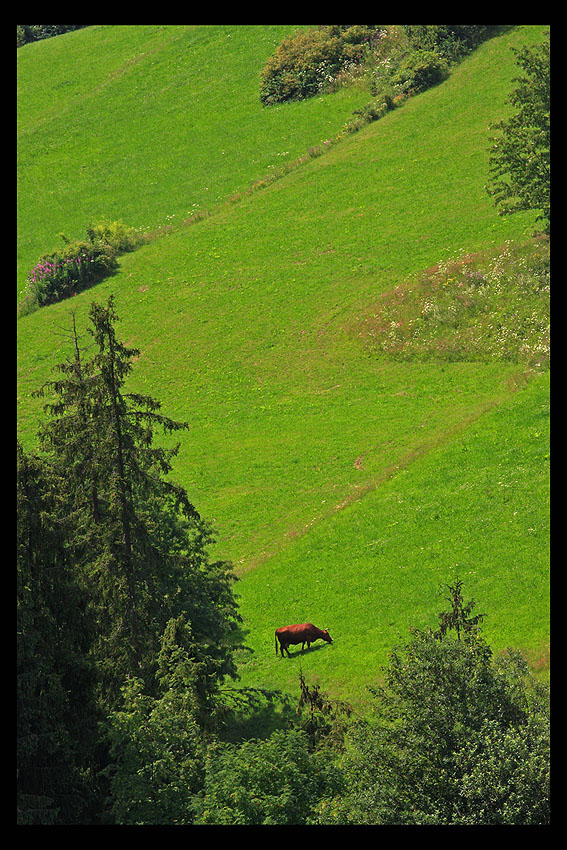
(520, 154)
(111, 554)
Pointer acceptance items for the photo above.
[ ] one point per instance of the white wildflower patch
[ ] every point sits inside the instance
(471, 308)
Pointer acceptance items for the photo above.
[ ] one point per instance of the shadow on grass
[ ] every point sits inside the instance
(299, 652)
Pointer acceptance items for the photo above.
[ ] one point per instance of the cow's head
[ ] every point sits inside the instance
(327, 636)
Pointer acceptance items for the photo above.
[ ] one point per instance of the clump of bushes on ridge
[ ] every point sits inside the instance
(394, 62)
(37, 32)
(309, 61)
(452, 41)
(78, 266)
(409, 57)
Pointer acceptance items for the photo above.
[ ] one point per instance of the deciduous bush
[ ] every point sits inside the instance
(452, 41)
(114, 233)
(36, 32)
(81, 263)
(308, 61)
(270, 782)
(419, 70)
(60, 275)
(520, 153)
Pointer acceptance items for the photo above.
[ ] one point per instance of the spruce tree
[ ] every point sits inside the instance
(140, 543)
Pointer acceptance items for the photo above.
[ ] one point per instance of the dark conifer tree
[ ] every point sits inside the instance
(56, 720)
(139, 542)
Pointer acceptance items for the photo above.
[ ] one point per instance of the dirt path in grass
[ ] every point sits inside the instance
(432, 442)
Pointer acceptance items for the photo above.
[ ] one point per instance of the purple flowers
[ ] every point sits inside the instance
(79, 265)
(45, 269)
(56, 276)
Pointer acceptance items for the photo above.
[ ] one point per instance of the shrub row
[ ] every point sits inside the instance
(411, 58)
(81, 263)
(418, 56)
(452, 41)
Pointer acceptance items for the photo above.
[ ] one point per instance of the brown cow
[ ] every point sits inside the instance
(305, 633)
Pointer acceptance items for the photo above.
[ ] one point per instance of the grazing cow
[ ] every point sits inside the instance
(305, 633)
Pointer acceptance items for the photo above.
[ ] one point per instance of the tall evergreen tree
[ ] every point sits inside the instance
(140, 543)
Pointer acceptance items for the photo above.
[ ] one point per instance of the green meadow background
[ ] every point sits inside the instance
(345, 487)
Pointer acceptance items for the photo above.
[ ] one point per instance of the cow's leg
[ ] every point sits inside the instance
(287, 650)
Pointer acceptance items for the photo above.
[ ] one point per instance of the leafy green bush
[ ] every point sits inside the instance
(114, 233)
(36, 32)
(368, 113)
(309, 61)
(270, 782)
(409, 59)
(452, 41)
(419, 70)
(62, 274)
(157, 753)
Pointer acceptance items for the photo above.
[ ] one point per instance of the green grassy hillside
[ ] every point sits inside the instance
(344, 486)
(150, 124)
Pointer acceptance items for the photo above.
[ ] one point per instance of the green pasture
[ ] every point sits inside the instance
(150, 124)
(474, 507)
(344, 487)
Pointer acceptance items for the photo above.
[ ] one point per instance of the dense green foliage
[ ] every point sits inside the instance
(309, 61)
(57, 714)
(80, 264)
(445, 709)
(157, 746)
(520, 156)
(450, 40)
(276, 781)
(458, 739)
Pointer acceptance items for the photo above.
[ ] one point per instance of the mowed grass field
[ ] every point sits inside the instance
(344, 487)
(150, 124)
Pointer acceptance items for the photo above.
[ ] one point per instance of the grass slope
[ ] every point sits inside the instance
(338, 483)
(475, 507)
(149, 124)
